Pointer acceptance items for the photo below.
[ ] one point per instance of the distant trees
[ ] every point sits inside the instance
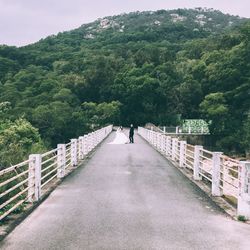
(246, 132)
(101, 114)
(145, 67)
(214, 108)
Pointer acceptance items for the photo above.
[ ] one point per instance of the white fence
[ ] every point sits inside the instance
(184, 130)
(224, 175)
(27, 181)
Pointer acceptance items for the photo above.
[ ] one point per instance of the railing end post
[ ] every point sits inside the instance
(61, 160)
(197, 153)
(216, 164)
(243, 207)
(182, 155)
(34, 183)
(73, 152)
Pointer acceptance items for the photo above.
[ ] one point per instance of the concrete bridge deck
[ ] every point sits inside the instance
(127, 197)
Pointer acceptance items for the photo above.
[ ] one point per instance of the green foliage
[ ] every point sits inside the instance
(133, 68)
(214, 109)
(101, 114)
(246, 132)
(17, 139)
(55, 122)
(214, 105)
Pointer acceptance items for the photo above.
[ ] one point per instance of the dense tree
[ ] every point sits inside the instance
(133, 68)
(101, 114)
(17, 139)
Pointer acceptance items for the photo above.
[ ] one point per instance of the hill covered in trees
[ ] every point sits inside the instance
(140, 67)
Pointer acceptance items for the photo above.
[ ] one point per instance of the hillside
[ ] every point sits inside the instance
(137, 67)
(150, 26)
(167, 27)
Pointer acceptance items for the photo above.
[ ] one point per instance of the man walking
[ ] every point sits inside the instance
(131, 134)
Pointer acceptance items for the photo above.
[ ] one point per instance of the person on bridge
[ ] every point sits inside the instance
(131, 134)
(120, 137)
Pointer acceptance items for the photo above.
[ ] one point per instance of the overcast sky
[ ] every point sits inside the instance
(27, 21)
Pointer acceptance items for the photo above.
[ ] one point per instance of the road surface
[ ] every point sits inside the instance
(127, 197)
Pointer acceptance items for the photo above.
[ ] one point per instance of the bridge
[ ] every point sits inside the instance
(131, 196)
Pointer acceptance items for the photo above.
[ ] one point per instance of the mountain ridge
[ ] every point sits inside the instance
(204, 20)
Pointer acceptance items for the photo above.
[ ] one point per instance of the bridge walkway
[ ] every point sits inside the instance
(127, 197)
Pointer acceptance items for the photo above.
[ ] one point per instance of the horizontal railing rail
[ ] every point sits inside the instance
(27, 181)
(182, 130)
(14, 187)
(225, 176)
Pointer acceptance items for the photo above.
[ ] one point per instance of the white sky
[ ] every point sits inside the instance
(27, 21)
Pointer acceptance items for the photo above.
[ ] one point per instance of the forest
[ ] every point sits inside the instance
(159, 67)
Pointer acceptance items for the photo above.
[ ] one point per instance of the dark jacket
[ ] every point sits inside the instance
(131, 131)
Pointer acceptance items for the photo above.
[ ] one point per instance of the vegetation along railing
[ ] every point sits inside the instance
(226, 176)
(26, 182)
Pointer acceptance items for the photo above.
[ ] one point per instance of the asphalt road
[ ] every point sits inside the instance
(127, 197)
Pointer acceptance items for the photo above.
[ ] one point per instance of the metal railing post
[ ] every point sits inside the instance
(90, 138)
(154, 139)
(73, 151)
(182, 153)
(88, 143)
(158, 141)
(85, 147)
(98, 137)
(91, 141)
(94, 139)
(34, 183)
(216, 162)
(168, 147)
(197, 153)
(174, 145)
(151, 137)
(94, 143)
(243, 207)
(163, 144)
(61, 160)
(80, 145)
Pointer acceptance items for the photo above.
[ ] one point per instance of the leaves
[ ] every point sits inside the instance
(133, 68)
(17, 139)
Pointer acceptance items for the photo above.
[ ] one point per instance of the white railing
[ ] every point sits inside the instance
(14, 187)
(226, 176)
(186, 130)
(29, 180)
